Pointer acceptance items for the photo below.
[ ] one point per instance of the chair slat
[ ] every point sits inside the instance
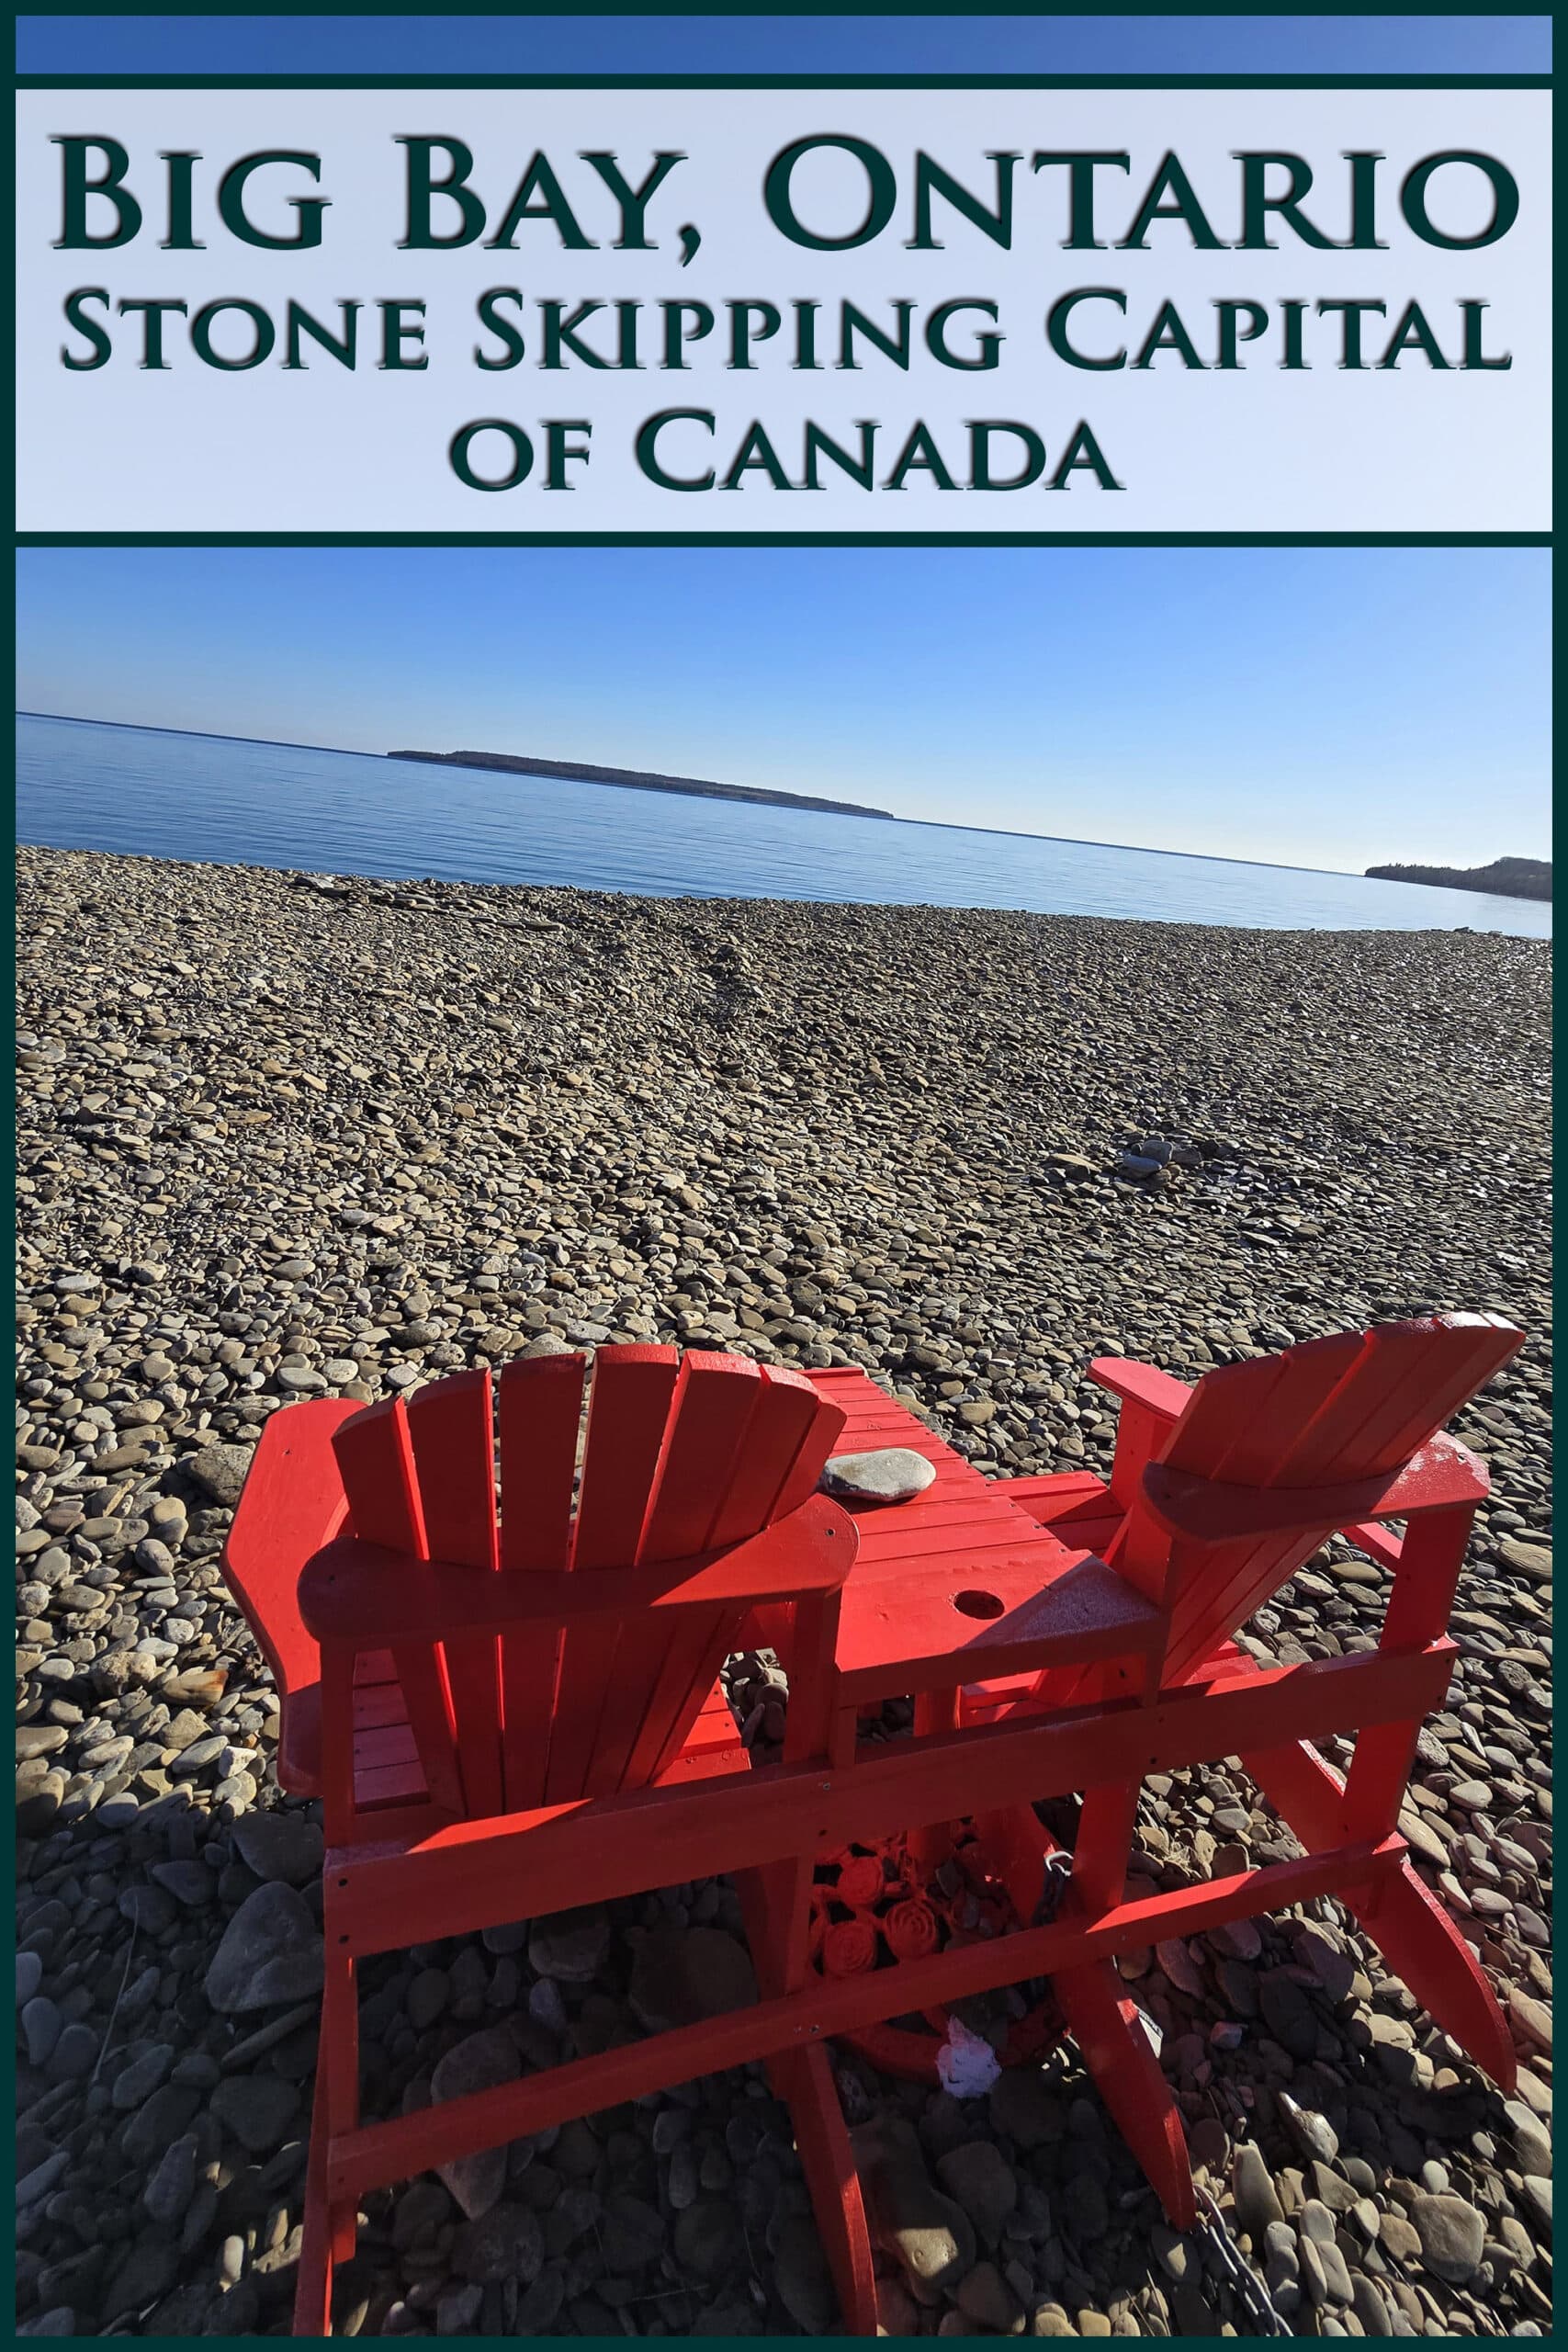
(700, 1668)
(384, 1744)
(450, 1429)
(627, 1413)
(816, 1447)
(715, 1400)
(389, 1784)
(1381, 1394)
(541, 1407)
(1229, 1583)
(718, 1399)
(781, 1433)
(675, 1700)
(375, 1455)
(791, 1435)
(630, 1410)
(376, 1460)
(378, 1704)
(293, 1502)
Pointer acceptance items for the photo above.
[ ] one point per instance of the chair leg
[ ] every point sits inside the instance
(1410, 1928)
(1105, 2024)
(803, 2080)
(1423, 1947)
(329, 2230)
(1102, 2018)
(935, 1711)
(776, 1903)
(313, 2279)
(1104, 1845)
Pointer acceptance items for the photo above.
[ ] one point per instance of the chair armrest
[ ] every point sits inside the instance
(1141, 1383)
(292, 1503)
(362, 1594)
(1442, 1476)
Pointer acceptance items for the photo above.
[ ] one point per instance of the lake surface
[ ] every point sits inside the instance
(219, 800)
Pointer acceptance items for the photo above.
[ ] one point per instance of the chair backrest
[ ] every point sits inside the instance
(674, 1455)
(1355, 1405)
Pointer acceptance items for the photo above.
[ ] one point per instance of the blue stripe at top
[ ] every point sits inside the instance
(748, 43)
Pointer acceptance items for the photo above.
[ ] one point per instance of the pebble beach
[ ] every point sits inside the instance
(286, 1136)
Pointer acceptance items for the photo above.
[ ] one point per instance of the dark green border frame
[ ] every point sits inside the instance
(790, 82)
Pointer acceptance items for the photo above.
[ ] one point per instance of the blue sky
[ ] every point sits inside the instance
(1155, 42)
(1319, 707)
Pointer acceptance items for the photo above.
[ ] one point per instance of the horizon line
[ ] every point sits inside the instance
(938, 824)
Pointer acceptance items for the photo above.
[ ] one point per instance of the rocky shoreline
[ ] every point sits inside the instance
(286, 1135)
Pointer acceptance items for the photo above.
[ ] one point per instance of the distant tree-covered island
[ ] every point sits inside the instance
(636, 780)
(1505, 877)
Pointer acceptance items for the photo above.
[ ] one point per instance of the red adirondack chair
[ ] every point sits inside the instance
(440, 1667)
(1218, 1494)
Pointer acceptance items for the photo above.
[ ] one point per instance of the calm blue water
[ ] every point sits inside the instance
(154, 794)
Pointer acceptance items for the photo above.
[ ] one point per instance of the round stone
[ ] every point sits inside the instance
(682, 1976)
(1453, 2235)
(893, 1473)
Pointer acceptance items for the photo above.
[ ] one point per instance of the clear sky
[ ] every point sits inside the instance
(1152, 42)
(1317, 707)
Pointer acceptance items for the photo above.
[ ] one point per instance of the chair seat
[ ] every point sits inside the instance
(386, 1765)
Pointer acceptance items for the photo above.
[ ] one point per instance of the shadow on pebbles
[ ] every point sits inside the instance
(287, 1135)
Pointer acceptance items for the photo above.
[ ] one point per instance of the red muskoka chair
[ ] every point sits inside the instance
(514, 1719)
(440, 1669)
(1218, 1494)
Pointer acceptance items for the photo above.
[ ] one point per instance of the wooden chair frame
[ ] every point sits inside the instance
(1087, 1711)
